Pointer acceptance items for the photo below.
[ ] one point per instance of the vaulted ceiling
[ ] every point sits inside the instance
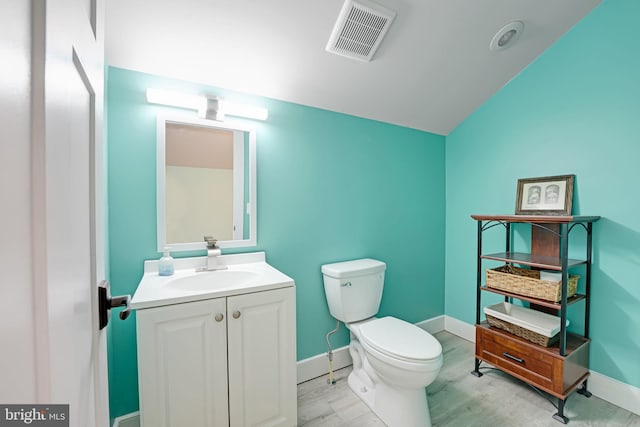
(431, 71)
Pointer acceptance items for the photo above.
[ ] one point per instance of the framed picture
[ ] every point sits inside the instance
(549, 195)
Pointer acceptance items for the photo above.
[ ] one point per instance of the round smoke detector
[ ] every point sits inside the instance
(506, 36)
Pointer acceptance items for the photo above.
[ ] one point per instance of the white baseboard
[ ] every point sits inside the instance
(613, 391)
(318, 365)
(462, 329)
(433, 325)
(129, 420)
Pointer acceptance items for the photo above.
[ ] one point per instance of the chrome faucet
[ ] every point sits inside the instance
(211, 242)
(213, 251)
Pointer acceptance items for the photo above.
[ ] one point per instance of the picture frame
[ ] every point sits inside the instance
(549, 195)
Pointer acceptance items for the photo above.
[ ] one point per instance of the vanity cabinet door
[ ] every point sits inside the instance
(262, 358)
(182, 364)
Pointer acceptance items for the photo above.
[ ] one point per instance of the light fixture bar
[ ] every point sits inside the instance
(244, 110)
(203, 105)
(176, 99)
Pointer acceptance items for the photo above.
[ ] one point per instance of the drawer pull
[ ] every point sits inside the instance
(508, 356)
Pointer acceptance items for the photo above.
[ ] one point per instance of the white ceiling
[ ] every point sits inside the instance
(432, 70)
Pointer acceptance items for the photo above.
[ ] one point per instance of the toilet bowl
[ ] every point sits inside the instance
(394, 363)
(393, 360)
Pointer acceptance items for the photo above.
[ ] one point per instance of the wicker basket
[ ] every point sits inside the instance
(522, 332)
(527, 282)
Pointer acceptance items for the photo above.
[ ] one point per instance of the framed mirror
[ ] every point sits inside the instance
(206, 183)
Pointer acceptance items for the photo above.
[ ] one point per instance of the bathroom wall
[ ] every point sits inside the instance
(576, 109)
(331, 187)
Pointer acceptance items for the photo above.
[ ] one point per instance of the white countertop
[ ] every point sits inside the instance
(256, 275)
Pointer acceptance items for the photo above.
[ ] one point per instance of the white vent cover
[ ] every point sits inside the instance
(360, 29)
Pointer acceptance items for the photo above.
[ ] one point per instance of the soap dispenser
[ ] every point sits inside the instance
(165, 265)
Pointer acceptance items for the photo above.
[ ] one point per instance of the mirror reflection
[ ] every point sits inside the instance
(205, 173)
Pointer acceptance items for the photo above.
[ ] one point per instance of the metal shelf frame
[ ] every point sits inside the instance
(560, 263)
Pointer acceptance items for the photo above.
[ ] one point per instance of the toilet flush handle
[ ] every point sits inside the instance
(346, 284)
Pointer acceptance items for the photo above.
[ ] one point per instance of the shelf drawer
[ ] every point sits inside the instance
(534, 364)
(514, 357)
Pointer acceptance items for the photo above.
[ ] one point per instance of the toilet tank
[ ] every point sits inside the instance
(354, 288)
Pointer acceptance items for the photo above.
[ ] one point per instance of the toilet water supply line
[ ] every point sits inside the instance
(330, 353)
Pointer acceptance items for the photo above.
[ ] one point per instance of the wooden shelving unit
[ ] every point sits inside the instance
(559, 369)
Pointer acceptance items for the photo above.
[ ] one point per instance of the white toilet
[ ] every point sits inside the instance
(393, 360)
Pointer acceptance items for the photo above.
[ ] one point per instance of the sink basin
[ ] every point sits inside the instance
(210, 280)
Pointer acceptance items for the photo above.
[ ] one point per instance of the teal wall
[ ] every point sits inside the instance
(576, 109)
(331, 187)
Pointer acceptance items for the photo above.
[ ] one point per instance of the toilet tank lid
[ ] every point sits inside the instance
(357, 267)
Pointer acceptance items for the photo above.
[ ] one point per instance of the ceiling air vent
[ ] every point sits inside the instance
(360, 29)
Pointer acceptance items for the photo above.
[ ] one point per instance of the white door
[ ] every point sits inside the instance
(182, 369)
(262, 358)
(68, 223)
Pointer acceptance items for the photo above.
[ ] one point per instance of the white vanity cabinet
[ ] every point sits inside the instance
(182, 368)
(228, 361)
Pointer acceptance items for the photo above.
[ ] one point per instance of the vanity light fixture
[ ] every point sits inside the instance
(209, 107)
(506, 36)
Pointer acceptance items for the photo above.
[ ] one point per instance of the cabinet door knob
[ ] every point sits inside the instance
(219, 317)
(236, 314)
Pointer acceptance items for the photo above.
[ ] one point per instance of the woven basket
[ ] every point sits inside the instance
(527, 282)
(527, 334)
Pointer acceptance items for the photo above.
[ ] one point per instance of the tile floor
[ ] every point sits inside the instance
(457, 398)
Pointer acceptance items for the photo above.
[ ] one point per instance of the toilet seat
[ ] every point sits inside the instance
(400, 340)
